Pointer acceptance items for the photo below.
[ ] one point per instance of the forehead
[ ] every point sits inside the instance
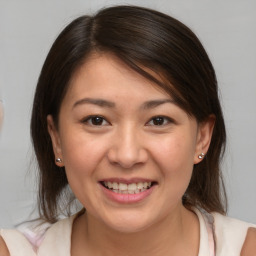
(107, 76)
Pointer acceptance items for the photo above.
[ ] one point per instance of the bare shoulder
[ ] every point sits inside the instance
(249, 247)
(3, 248)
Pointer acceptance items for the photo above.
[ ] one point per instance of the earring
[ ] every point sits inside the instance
(201, 156)
(58, 160)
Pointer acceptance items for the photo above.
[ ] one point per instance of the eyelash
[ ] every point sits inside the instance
(165, 119)
(89, 120)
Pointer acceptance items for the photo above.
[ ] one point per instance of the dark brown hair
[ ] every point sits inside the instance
(141, 38)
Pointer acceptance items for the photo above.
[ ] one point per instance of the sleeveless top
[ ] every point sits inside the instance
(219, 236)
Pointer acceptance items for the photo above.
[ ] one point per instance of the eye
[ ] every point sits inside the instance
(159, 121)
(95, 121)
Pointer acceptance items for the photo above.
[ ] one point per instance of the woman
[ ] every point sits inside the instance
(126, 115)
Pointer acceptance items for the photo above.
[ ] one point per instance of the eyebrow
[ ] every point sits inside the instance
(98, 102)
(109, 104)
(155, 103)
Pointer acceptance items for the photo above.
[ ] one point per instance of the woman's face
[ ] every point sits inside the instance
(127, 148)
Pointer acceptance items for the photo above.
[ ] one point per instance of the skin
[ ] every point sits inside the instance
(128, 144)
(3, 248)
(249, 247)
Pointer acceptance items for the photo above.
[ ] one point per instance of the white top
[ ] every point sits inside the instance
(219, 236)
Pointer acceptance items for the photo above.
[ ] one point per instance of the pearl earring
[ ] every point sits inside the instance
(58, 160)
(201, 156)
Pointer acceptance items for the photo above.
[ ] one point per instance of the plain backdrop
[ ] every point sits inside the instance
(227, 29)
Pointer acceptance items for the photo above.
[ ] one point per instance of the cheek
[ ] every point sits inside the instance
(174, 157)
(81, 159)
(81, 155)
(175, 152)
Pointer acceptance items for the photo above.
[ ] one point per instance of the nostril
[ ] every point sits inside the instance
(127, 157)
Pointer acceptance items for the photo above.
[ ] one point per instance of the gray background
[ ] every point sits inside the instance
(27, 29)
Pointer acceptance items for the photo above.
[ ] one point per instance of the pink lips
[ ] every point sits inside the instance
(127, 181)
(127, 198)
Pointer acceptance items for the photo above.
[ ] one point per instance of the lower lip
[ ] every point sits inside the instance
(127, 198)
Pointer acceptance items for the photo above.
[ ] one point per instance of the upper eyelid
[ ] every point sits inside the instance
(85, 119)
(165, 117)
(92, 116)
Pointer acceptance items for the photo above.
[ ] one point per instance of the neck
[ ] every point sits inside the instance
(176, 234)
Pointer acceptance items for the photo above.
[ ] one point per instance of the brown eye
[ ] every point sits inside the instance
(159, 121)
(95, 121)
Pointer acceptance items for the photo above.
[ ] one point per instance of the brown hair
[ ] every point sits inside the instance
(141, 38)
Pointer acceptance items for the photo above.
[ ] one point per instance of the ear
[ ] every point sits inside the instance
(56, 145)
(204, 136)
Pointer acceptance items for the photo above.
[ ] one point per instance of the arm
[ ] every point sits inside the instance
(3, 248)
(249, 247)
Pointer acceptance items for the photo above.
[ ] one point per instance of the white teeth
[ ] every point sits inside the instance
(114, 185)
(132, 188)
(109, 184)
(140, 185)
(122, 186)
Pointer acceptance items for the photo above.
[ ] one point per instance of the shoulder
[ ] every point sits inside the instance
(226, 226)
(249, 246)
(13, 242)
(230, 234)
(3, 248)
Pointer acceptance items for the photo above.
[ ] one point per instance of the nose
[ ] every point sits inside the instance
(127, 149)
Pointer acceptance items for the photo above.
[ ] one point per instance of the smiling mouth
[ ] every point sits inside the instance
(123, 188)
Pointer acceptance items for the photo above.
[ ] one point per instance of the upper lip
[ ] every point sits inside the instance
(127, 181)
